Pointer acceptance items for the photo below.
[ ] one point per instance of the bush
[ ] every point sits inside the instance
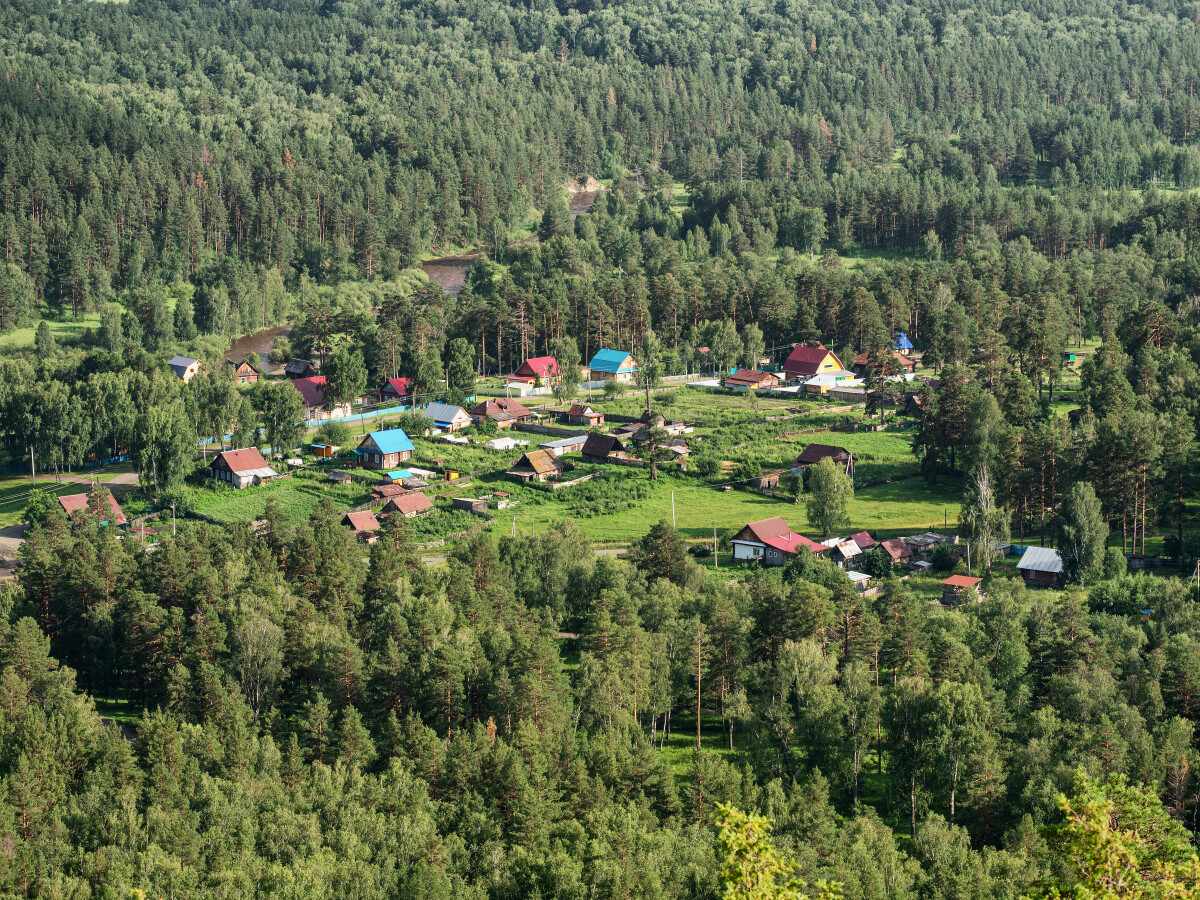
(943, 557)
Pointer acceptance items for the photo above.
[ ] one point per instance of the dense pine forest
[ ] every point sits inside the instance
(297, 716)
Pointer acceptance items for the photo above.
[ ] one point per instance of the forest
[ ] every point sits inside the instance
(266, 709)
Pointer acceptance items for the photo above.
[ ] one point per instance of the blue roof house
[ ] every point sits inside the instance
(903, 344)
(384, 449)
(612, 365)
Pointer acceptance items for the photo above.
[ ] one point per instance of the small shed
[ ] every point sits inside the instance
(471, 504)
(860, 580)
(325, 451)
(537, 465)
(565, 445)
(337, 477)
(386, 491)
(954, 586)
(765, 482)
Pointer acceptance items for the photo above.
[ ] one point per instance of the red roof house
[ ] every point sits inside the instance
(543, 367)
(864, 540)
(363, 522)
(805, 362)
(770, 541)
(73, 504)
(312, 390)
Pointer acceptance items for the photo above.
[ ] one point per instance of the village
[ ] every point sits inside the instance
(724, 459)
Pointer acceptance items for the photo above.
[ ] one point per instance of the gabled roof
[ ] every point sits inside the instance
(902, 341)
(541, 462)
(807, 360)
(748, 376)
(848, 549)
(393, 440)
(897, 549)
(297, 366)
(73, 503)
(601, 445)
(389, 490)
(398, 386)
(409, 504)
(242, 462)
(612, 361)
(962, 581)
(443, 413)
(814, 453)
(546, 366)
(581, 409)
(562, 443)
(238, 365)
(501, 408)
(864, 540)
(312, 390)
(775, 532)
(180, 364)
(361, 521)
(1040, 559)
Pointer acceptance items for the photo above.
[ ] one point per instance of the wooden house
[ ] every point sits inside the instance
(806, 362)
(447, 416)
(814, 453)
(244, 372)
(384, 449)
(582, 415)
(504, 411)
(392, 390)
(744, 380)
(241, 468)
(565, 445)
(409, 505)
(312, 391)
(897, 550)
(184, 367)
(537, 465)
(612, 365)
(537, 369)
(770, 542)
(362, 523)
(601, 448)
(1041, 566)
(299, 368)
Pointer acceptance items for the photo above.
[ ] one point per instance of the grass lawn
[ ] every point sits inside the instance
(888, 510)
(14, 491)
(66, 329)
(679, 749)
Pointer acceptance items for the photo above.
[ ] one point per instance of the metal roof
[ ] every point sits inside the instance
(394, 440)
(443, 413)
(612, 361)
(1041, 559)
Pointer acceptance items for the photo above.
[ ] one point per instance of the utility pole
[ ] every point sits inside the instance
(672, 509)
(716, 559)
(173, 517)
(32, 467)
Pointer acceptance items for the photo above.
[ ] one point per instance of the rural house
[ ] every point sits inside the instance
(543, 369)
(536, 465)
(387, 491)
(362, 523)
(241, 468)
(409, 505)
(897, 550)
(312, 392)
(769, 541)
(392, 390)
(600, 448)
(76, 507)
(504, 411)
(384, 449)
(844, 553)
(184, 367)
(447, 416)
(582, 415)
(299, 368)
(814, 453)
(612, 365)
(864, 540)
(244, 372)
(904, 365)
(955, 586)
(1041, 566)
(744, 380)
(806, 362)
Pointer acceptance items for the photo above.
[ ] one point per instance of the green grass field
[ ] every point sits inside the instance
(905, 507)
(14, 490)
(65, 329)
